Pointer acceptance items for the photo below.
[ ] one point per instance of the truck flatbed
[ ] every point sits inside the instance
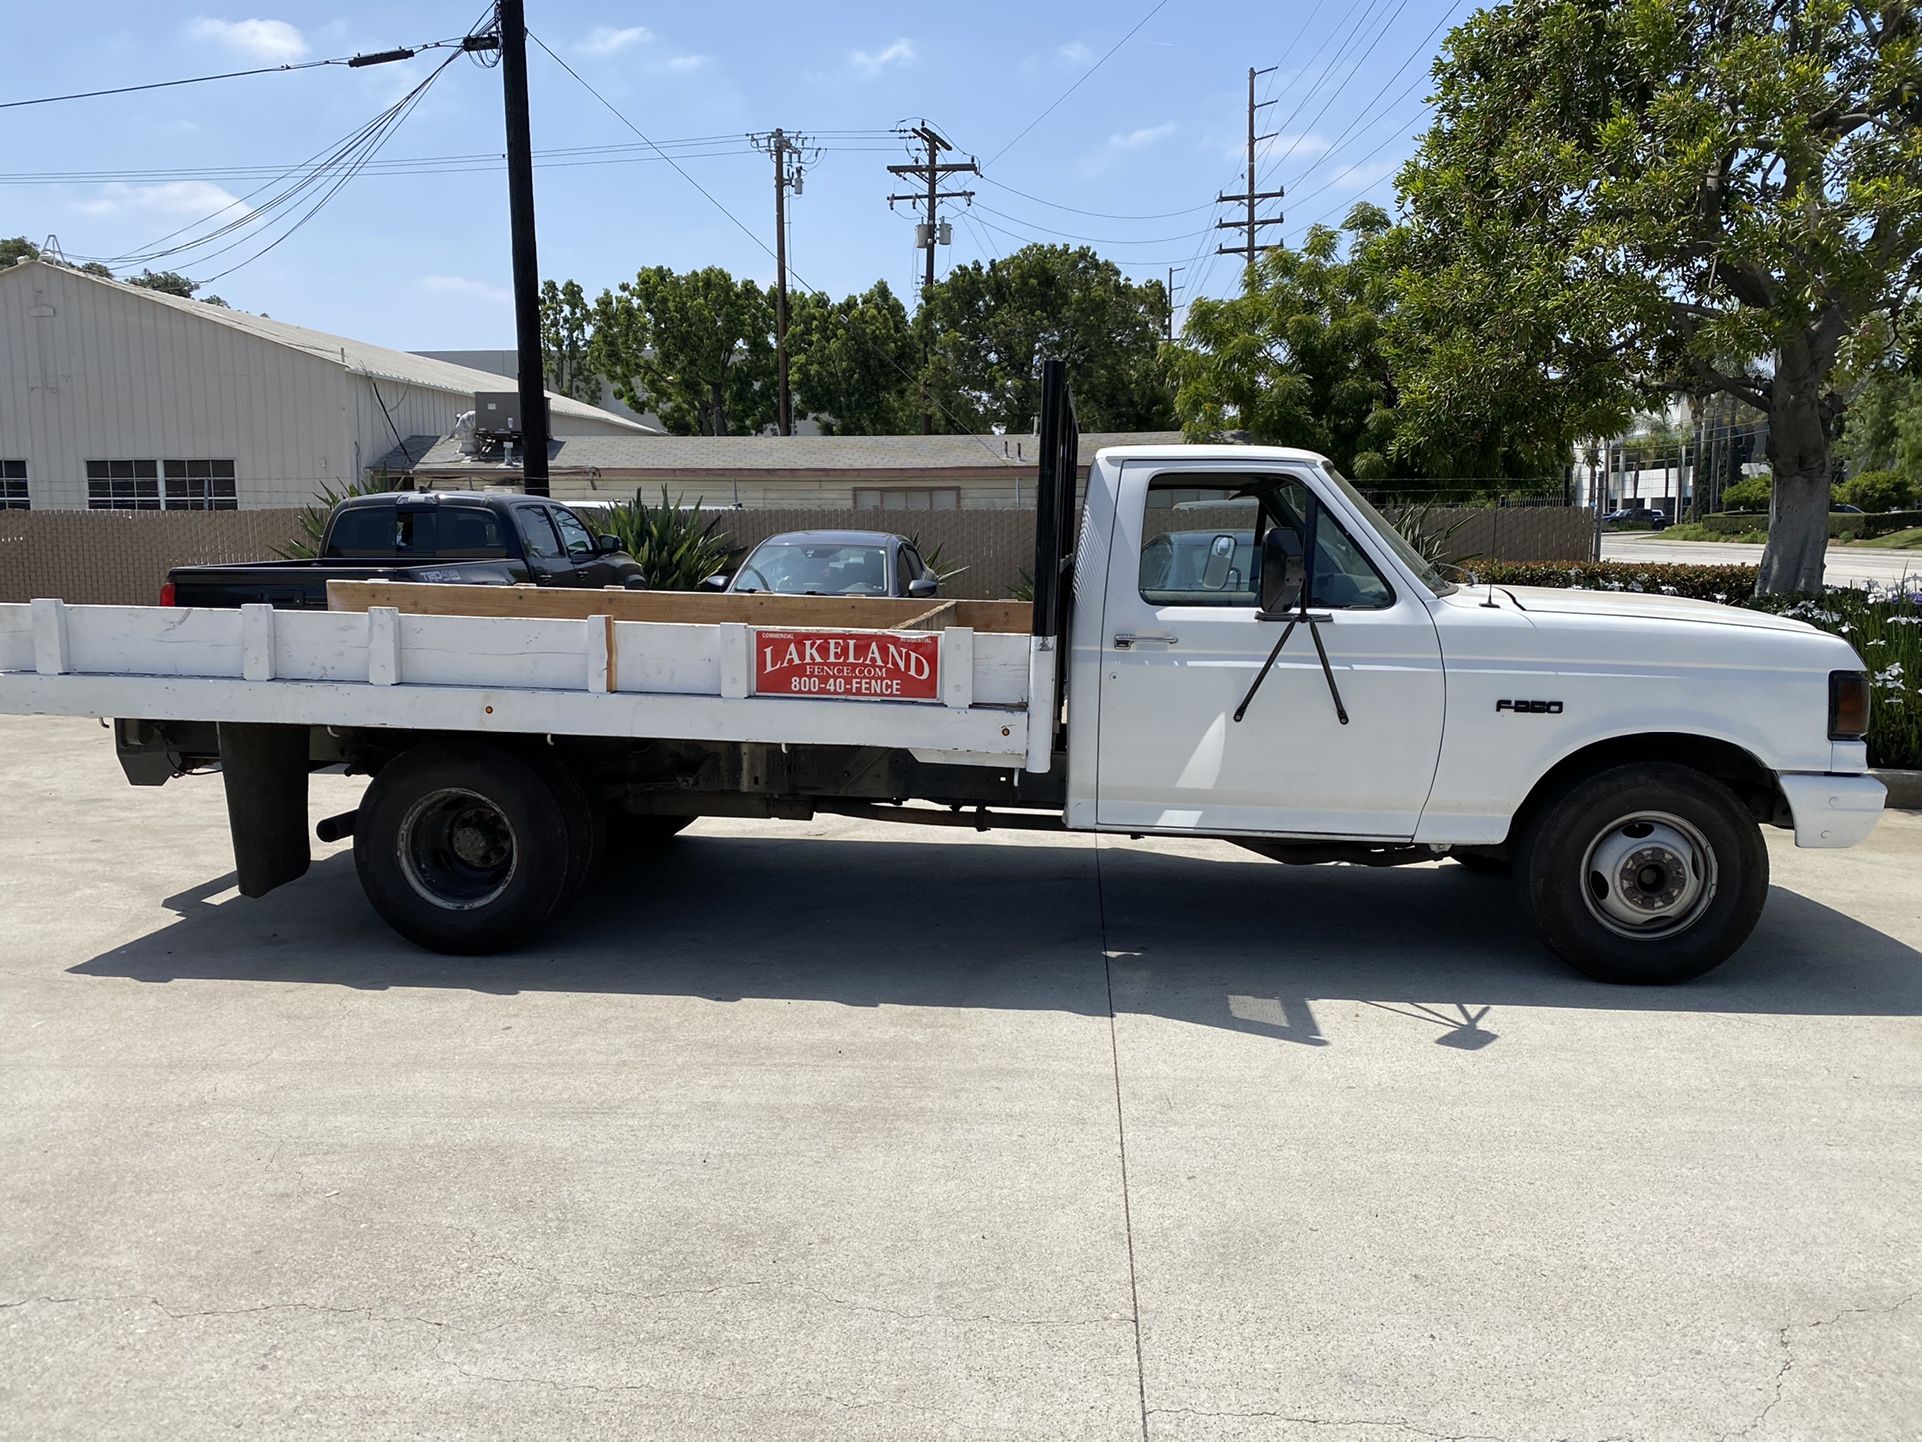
(525, 660)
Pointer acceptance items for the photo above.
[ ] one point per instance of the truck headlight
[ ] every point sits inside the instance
(1848, 705)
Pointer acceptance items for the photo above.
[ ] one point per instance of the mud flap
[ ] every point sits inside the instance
(265, 768)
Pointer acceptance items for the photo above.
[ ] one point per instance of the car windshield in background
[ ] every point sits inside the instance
(821, 569)
(1423, 568)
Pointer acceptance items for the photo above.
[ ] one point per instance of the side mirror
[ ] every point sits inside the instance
(606, 545)
(1220, 564)
(716, 582)
(923, 586)
(1282, 571)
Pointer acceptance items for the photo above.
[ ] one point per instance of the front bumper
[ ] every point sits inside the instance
(1833, 811)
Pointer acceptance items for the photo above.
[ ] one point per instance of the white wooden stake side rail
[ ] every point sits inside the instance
(592, 677)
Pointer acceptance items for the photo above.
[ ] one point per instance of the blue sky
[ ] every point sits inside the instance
(418, 257)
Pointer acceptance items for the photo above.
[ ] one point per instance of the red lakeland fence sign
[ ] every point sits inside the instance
(847, 665)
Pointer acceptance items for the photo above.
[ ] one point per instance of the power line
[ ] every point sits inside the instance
(1090, 239)
(379, 140)
(743, 227)
(338, 159)
(403, 52)
(1156, 10)
(1100, 214)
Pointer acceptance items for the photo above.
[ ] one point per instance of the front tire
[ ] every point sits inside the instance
(1645, 874)
(464, 847)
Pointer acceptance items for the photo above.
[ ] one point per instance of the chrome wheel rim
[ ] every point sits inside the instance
(1648, 875)
(457, 849)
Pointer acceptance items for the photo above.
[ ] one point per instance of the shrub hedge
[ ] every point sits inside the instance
(1729, 584)
(1863, 527)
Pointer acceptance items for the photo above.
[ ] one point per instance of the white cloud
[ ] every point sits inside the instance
(607, 40)
(466, 288)
(274, 42)
(1075, 53)
(172, 197)
(873, 62)
(687, 62)
(1141, 139)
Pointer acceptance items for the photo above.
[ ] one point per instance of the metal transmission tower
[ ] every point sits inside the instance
(1250, 246)
(792, 156)
(931, 170)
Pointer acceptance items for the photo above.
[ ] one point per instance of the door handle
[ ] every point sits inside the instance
(1123, 640)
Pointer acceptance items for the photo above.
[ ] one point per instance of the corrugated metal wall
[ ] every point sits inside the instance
(88, 372)
(91, 372)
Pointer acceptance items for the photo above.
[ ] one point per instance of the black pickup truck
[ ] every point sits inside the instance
(458, 537)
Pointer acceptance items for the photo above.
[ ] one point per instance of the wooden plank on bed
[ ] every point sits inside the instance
(875, 613)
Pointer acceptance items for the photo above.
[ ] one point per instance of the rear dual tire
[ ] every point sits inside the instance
(467, 848)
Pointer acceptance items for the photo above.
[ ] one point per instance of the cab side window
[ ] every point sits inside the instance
(537, 533)
(574, 534)
(1201, 545)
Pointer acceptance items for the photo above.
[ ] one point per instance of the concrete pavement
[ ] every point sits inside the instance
(1845, 565)
(834, 1131)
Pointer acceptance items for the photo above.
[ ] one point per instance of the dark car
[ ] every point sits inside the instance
(464, 538)
(836, 563)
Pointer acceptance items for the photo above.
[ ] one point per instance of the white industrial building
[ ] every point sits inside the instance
(114, 397)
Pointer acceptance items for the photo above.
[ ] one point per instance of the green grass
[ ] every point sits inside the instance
(1695, 531)
(1894, 541)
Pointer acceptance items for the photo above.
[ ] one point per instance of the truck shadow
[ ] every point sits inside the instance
(1247, 945)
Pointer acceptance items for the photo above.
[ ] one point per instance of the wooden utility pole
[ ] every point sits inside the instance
(1250, 246)
(790, 165)
(931, 170)
(527, 270)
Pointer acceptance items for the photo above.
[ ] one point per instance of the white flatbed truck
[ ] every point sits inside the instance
(1238, 646)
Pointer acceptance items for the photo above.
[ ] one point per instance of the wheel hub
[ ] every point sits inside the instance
(456, 849)
(1648, 874)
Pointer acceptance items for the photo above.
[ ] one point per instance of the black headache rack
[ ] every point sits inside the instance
(1054, 526)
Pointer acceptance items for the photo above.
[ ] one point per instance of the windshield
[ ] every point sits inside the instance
(793, 568)
(1423, 568)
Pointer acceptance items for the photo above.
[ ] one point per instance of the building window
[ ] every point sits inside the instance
(907, 498)
(197, 485)
(13, 486)
(123, 485)
(200, 486)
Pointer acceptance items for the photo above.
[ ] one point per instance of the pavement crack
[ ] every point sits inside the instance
(1783, 1335)
(1307, 1420)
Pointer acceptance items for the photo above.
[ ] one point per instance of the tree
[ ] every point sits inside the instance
(1296, 358)
(993, 325)
(1884, 429)
(567, 331)
(1621, 200)
(855, 362)
(172, 282)
(696, 349)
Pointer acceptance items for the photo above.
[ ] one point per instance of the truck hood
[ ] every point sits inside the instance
(1641, 606)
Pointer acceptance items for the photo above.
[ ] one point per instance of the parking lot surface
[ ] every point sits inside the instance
(832, 1130)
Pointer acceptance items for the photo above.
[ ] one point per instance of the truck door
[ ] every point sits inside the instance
(547, 563)
(1183, 642)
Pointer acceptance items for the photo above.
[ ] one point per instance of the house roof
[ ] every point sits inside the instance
(353, 355)
(778, 455)
(401, 458)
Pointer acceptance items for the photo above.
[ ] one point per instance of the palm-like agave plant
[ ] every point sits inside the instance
(676, 550)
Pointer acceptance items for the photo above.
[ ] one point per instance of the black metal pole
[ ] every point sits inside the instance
(527, 271)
